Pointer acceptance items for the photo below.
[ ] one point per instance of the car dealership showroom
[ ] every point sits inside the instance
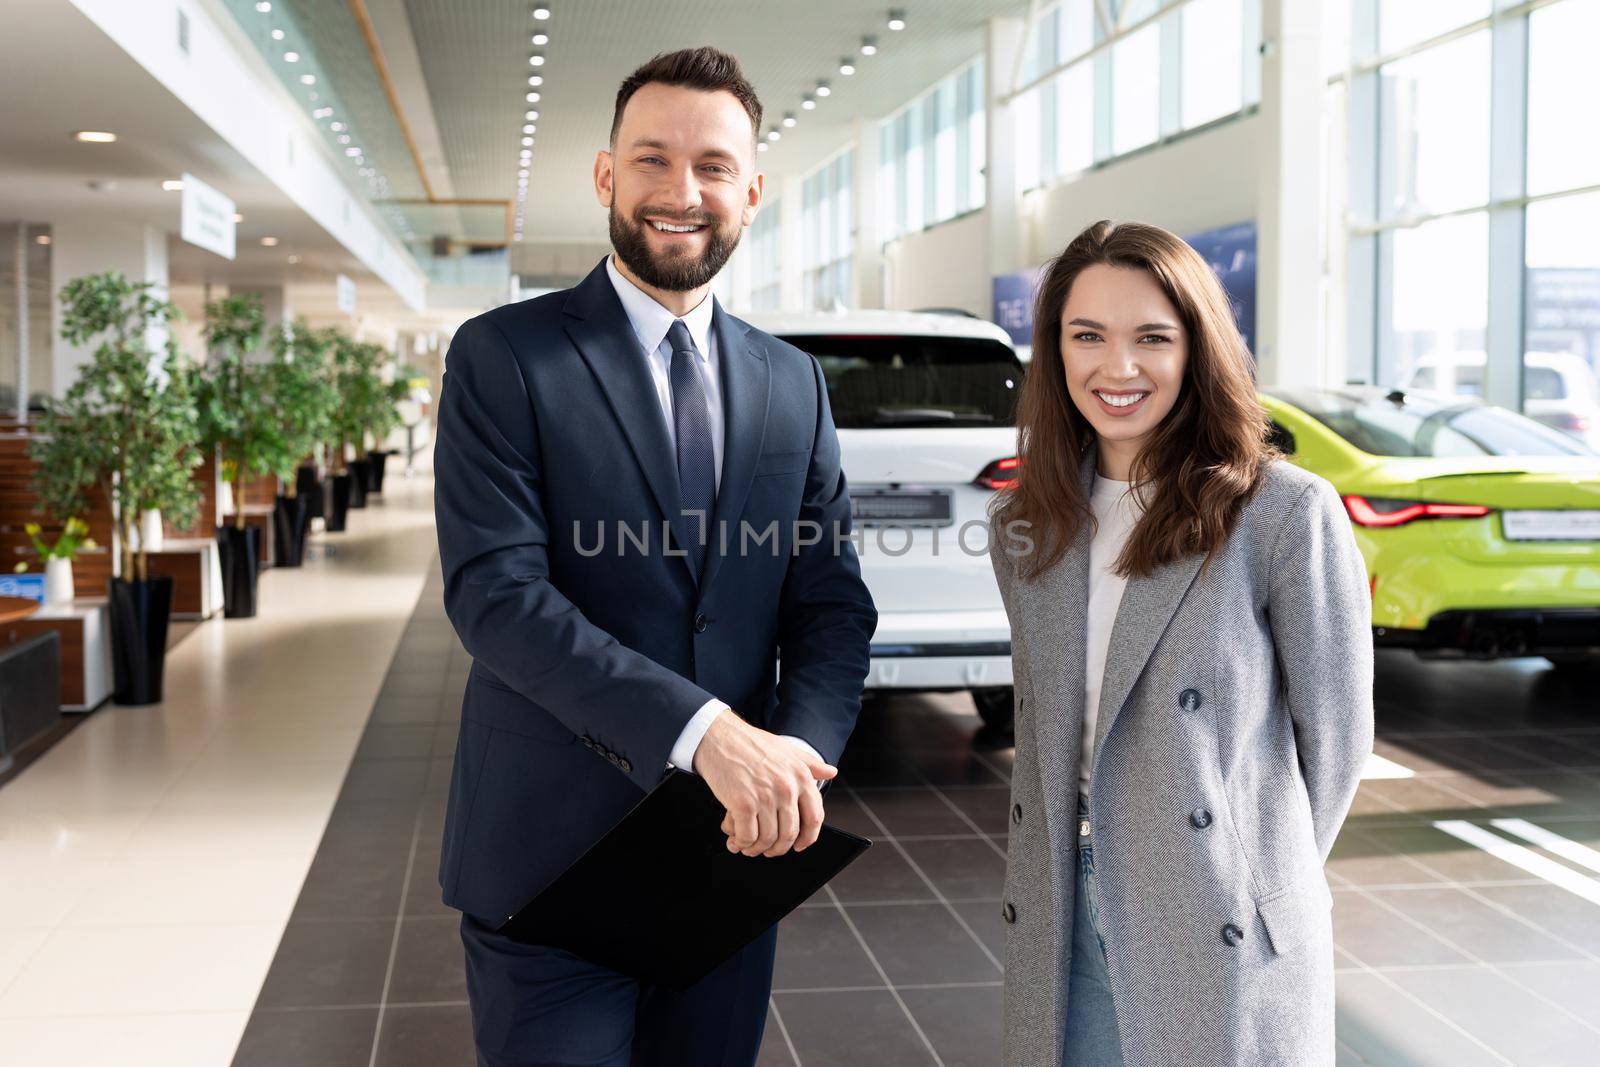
(665, 532)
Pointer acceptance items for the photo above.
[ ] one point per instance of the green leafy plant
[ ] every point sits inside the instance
(306, 397)
(128, 426)
(364, 404)
(238, 414)
(74, 537)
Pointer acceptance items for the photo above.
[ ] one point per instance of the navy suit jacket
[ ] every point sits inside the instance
(587, 666)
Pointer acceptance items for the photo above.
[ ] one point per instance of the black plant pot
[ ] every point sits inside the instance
(290, 517)
(140, 611)
(240, 552)
(338, 501)
(309, 488)
(359, 474)
(378, 459)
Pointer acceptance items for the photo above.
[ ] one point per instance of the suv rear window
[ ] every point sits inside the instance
(894, 382)
(1423, 426)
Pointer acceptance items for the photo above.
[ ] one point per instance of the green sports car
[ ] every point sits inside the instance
(1480, 528)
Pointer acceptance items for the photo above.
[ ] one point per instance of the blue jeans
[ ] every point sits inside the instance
(1091, 1038)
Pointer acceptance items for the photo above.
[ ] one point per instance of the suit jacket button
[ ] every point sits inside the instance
(1016, 813)
(699, 623)
(627, 768)
(1190, 699)
(1201, 818)
(1233, 935)
(1008, 913)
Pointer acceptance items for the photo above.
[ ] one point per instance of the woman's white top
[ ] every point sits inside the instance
(1116, 512)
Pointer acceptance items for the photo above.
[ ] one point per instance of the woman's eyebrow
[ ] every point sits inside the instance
(1093, 325)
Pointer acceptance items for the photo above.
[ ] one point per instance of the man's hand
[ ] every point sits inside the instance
(768, 785)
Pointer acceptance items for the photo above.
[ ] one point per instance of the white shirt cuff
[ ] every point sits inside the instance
(688, 742)
(803, 745)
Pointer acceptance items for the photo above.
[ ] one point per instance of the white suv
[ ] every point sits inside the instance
(924, 405)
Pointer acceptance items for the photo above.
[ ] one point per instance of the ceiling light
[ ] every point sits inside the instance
(846, 67)
(823, 89)
(277, 35)
(789, 120)
(773, 135)
(541, 12)
(322, 113)
(291, 57)
(352, 151)
(95, 136)
(761, 147)
(268, 242)
(344, 138)
(336, 127)
(528, 128)
(531, 116)
(237, 218)
(809, 102)
(526, 141)
(308, 79)
(294, 259)
(535, 81)
(172, 185)
(523, 173)
(541, 38)
(42, 239)
(897, 19)
(536, 60)
(869, 46)
(532, 98)
(263, 7)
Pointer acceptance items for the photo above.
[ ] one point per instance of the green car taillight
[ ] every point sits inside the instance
(1382, 512)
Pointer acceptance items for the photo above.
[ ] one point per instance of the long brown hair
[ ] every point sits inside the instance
(1200, 465)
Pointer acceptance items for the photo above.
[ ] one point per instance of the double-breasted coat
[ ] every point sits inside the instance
(1234, 723)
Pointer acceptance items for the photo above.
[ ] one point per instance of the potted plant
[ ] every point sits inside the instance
(127, 427)
(74, 536)
(306, 400)
(238, 419)
(386, 418)
(355, 377)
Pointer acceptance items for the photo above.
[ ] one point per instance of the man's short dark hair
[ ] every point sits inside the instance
(707, 69)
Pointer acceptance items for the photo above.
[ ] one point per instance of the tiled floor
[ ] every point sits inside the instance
(1447, 954)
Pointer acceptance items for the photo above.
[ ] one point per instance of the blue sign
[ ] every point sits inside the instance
(1231, 251)
(1013, 304)
(24, 585)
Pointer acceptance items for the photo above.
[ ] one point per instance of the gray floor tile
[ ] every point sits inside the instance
(852, 1030)
(1380, 938)
(817, 950)
(966, 1025)
(1386, 1028)
(921, 943)
(908, 812)
(1509, 1019)
(1486, 932)
(335, 1038)
(328, 964)
(429, 962)
(963, 868)
(426, 1037)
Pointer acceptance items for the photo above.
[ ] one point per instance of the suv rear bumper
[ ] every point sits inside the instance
(940, 650)
(1498, 633)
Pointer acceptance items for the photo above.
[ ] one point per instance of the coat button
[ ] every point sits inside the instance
(1201, 818)
(1190, 699)
(1016, 813)
(1008, 913)
(1233, 935)
(699, 623)
(624, 765)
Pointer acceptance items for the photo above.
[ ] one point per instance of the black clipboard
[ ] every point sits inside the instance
(661, 899)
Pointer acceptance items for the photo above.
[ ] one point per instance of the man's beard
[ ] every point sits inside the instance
(673, 274)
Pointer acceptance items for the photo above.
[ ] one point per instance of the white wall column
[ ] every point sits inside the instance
(791, 243)
(91, 246)
(865, 238)
(1289, 333)
(1002, 59)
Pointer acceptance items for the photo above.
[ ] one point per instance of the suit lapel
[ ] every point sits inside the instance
(598, 326)
(746, 380)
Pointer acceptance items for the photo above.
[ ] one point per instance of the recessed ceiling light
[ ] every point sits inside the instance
(291, 57)
(809, 102)
(264, 6)
(540, 38)
(344, 138)
(95, 136)
(352, 151)
(536, 60)
(523, 173)
(277, 35)
(535, 81)
(773, 135)
(268, 242)
(294, 259)
(237, 218)
(532, 98)
(531, 116)
(526, 141)
(897, 19)
(42, 239)
(322, 113)
(761, 147)
(336, 127)
(308, 79)
(846, 67)
(541, 12)
(789, 120)
(823, 89)
(528, 128)
(172, 185)
(869, 46)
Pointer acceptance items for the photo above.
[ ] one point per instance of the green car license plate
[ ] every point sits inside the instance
(1552, 525)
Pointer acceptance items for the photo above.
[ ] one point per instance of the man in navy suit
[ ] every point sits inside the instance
(640, 507)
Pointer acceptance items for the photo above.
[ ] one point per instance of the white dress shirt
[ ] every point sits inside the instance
(1116, 512)
(650, 322)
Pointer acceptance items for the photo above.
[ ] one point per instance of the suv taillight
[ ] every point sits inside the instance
(1380, 512)
(1000, 474)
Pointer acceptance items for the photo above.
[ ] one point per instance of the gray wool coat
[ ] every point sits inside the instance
(1234, 723)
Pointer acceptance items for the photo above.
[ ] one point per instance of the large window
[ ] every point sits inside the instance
(827, 222)
(931, 156)
(766, 259)
(1129, 73)
(1473, 267)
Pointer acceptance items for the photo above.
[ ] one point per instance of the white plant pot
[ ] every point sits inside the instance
(150, 532)
(57, 582)
(225, 499)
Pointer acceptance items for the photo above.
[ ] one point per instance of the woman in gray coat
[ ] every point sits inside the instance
(1190, 628)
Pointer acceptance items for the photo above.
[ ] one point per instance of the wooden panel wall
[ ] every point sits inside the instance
(92, 568)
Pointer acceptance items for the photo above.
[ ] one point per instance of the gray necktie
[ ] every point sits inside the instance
(697, 479)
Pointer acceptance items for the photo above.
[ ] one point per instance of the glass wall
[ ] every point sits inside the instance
(931, 156)
(766, 258)
(827, 222)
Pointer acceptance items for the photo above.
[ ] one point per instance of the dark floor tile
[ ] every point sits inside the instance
(966, 1025)
(1487, 933)
(1378, 937)
(817, 950)
(354, 876)
(1360, 860)
(879, 873)
(842, 810)
(445, 736)
(955, 766)
(965, 868)
(381, 818)
(395, 742)
(338, 1038)
(429, 962)
(1447, 856)
(919, 943)
(988, 807)
(906, 812)
(380, 780)
(326, 964)
(851, 1030)
(1564, 750)
(424, 897)
(426, 1037)
(415, 707)
(861, 766)
(984, 918)
(774, 1047)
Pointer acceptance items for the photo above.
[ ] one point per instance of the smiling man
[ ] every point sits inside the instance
(634, 403)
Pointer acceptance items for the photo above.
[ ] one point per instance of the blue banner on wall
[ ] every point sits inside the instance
(1013, 304)
(1231, 251)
